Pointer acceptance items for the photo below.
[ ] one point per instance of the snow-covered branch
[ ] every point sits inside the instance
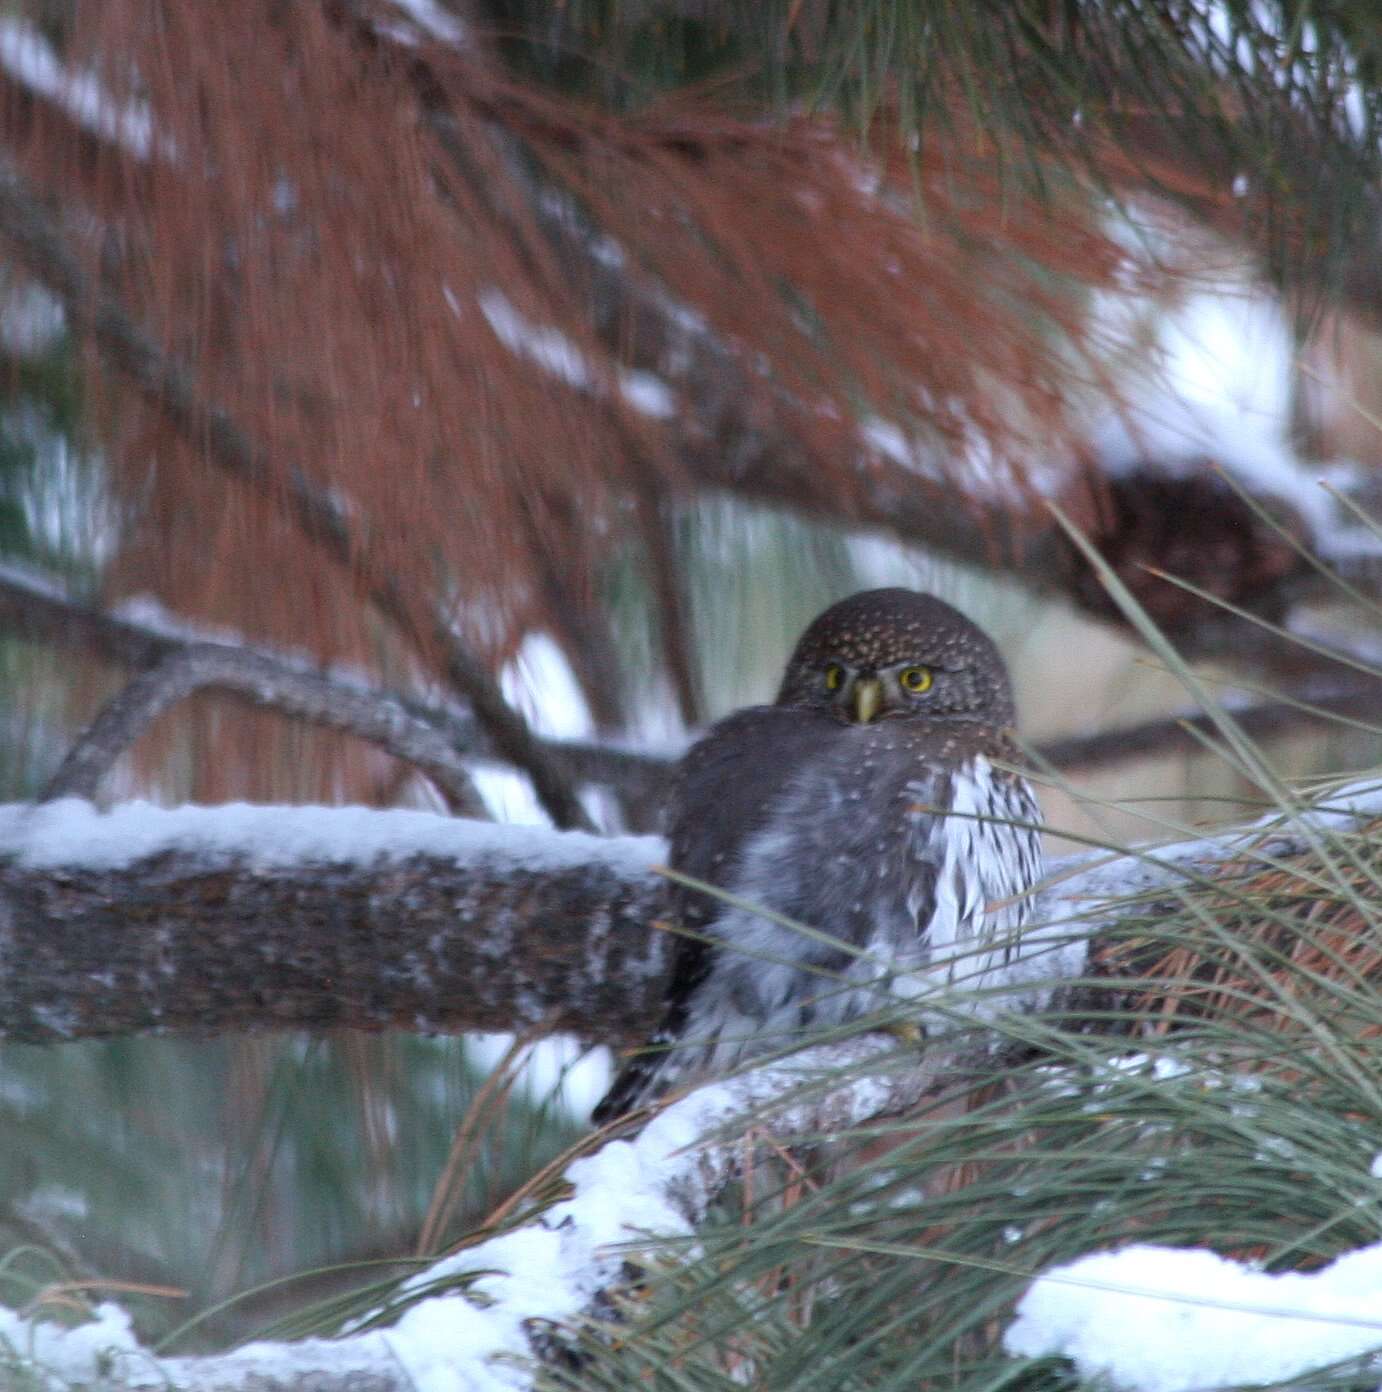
(218, 918)
(522, 1286)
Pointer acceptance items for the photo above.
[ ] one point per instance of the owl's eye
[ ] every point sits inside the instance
(834, 676)
(915, 679)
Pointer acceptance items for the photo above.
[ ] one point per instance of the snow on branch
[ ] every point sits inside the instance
(28, 58)
(215, 918)
(1164, 1319)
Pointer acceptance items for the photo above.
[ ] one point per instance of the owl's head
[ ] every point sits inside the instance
(894, 654)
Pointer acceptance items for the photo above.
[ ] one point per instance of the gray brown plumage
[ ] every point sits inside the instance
(866, 803)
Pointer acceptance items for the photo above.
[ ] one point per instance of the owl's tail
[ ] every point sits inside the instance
(637, 1083)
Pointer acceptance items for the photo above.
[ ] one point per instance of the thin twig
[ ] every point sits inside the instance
(265, 681)
(1305, 707)
(435, 739)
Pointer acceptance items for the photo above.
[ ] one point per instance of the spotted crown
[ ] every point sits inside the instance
(880, 628)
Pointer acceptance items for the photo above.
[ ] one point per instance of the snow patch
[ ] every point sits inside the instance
(1158, 1319)
(559, 1068)
(549, 348)
(31, 319)
(560, 358)
(1220, 389)
(433, 19)
(72, 834)
(648, 393)
(540, 683)
(28, 57)
(65, 1358)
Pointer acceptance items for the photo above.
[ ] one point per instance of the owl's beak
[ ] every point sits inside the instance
(868, 699)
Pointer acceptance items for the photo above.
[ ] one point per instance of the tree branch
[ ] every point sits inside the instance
(209, 919)
(432, 741)
(437, 740)
(205, 919)
(266, 681)
(1311, 704)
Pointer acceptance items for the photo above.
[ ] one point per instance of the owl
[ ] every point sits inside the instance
(869, 804)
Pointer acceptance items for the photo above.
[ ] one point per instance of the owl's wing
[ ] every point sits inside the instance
(724, 791)
(727, 788)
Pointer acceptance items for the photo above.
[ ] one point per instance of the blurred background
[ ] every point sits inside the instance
(553, 366)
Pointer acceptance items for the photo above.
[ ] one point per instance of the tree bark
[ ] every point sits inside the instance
(213, 929)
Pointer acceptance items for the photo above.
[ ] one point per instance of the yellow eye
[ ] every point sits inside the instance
(834, 676)
(915, 679)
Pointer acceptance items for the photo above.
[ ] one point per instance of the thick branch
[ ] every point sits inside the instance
(207, 919)
(210, 919)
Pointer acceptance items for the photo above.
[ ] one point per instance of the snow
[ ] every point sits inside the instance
(648, 393)
(68, 1356)
(147, 612)
(433, 19)
(1215, 383)
(429, 1337)
(72, 834)
(559, 1070)
(34, 581)
(32, 319)
(561, 359)
(1177, 433)
(549, 1271)
(540, 683)
(1158, 1319)
(28, 57)
(541, 686)
(1219, 387)
(549, 348)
